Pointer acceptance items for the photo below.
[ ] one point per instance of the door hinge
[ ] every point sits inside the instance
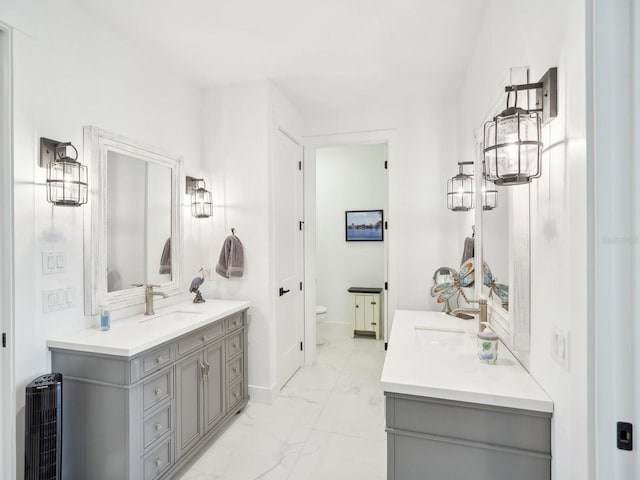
(300, 286)
(386, 165)
(300, 224)
(300, 165)
(4, 340)
(386, 285)
(301, 346)
(386, 225)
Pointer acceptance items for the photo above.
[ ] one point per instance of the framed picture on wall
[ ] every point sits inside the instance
(364, 226)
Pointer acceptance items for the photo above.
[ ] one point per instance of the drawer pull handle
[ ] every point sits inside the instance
(159, 360)
(204, 338)
(235, 345)
(373, 323)
(235, 394)
(373, 303)
(158, 426)
(157, 391)
(158, 462)
(235, 370)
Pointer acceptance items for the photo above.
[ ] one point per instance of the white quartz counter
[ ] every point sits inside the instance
(132, 335)
(444, 365)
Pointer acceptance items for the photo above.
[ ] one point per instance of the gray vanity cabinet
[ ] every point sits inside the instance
(430, 438)
(200, 395)
(144, 417)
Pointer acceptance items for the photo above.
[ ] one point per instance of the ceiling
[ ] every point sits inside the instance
(326, 55)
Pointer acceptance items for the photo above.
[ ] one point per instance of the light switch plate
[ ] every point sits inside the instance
(54, 262)
(57, 299)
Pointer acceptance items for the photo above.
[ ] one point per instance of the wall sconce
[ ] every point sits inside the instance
(512, 146)
(460, 190)
(201, 204)
(489, 195)
(67, 184)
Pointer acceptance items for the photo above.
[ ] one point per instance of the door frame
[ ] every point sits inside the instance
(7, 395)
(613, 115)
(311, 145)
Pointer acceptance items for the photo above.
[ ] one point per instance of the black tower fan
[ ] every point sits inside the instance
(43, 428)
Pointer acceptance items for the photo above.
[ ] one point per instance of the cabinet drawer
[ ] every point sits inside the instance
(235, 394)
(235, 322)
(158, 460)
(234, 370)
(199, 338)
(157, 425)
(234, 345)
(156, 360)
(157, 390)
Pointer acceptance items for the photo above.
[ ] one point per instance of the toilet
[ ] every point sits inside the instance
(321, 316)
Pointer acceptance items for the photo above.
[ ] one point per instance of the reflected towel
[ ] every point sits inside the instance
(231, 261)
(468, 250)
(165, 259)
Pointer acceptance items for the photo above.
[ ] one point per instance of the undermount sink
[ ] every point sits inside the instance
(176, 315)
(441, 338)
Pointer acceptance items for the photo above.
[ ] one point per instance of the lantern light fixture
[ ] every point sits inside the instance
(512, 139)
(460, 191)
(67, 178)
(489, 195)
(201, 204)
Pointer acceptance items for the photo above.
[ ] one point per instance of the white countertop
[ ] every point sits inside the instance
(132, 335)
(419, 364)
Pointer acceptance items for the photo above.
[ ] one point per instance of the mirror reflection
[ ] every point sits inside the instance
(495, 248)
(138, 222)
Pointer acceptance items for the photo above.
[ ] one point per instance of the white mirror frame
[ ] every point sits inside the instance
(97, 143)
(513, 326)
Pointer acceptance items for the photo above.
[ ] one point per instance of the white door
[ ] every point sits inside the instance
(289, 256)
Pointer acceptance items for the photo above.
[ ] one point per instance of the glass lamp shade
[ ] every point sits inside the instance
(67, 183)
(201, 204)
(489, 195)
(460, 193)
(512, 147)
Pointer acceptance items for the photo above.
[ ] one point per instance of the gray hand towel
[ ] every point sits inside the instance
(468, 250)
(231, 260)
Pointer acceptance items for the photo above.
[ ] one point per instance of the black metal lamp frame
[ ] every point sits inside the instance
(201, 204)
(451, 193)
(546, 108)
(71, 190)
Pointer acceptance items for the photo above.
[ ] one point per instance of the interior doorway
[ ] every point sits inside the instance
(7, 394)
(326, 228)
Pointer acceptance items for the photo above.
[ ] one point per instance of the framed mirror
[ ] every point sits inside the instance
(133, 228)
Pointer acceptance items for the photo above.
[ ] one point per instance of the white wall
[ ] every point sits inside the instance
(238, 126)
(423, 234)
(540, 36)
(69, 71)
(347, 178)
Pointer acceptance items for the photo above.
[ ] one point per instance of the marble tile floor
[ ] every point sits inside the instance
(327, 423)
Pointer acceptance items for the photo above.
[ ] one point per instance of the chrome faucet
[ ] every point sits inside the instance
(148, 298)
(481, 311)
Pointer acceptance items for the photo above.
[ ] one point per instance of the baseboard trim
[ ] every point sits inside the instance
(262, 394)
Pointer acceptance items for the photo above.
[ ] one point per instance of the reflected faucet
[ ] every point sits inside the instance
(481, 311)
(148, 298)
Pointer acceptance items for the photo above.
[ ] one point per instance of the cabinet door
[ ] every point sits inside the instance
(360, 312)
(213, 385)
(372, 316)
(189, 378)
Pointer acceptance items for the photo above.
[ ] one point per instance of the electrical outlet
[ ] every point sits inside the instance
(207, 273)
(560, 347)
